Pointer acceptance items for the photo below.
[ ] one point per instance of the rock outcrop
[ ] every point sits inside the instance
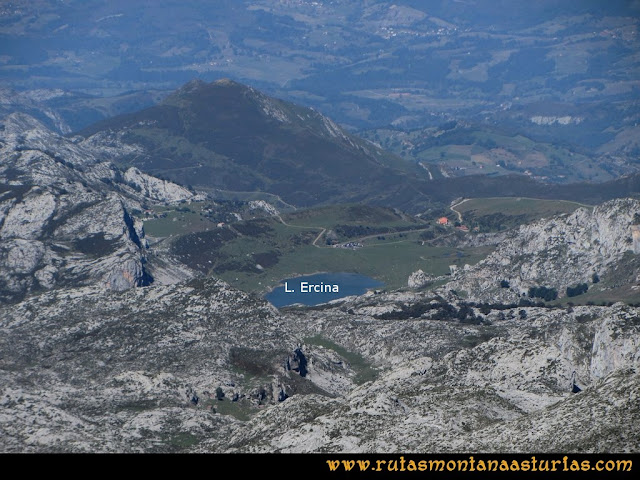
(556, 253)
(65, 216)
(419, 279)
(155, 188)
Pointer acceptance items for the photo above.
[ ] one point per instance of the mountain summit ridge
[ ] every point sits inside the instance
(229, 136)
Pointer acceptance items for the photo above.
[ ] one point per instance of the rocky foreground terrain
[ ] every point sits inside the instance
(199, 366)
(105, 348)
(202, 367)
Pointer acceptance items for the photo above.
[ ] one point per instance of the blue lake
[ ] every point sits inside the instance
(320, 288)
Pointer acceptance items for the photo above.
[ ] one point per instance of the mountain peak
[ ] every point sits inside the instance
(200, 94)
(226, 82)
(192, 85)
(234, 137)
(197, 86)
(19, 121)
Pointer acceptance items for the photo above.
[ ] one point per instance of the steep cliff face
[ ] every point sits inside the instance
(65, 215)
(557, 253)
(93, 245)
(616, 343)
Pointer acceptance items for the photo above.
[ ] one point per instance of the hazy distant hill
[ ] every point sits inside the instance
(228, 136)
(458, 148)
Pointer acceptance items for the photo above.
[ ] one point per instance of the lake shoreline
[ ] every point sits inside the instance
(293, 276)
(348, 284)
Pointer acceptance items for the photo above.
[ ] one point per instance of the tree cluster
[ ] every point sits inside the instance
(545, 293)
(577, 290)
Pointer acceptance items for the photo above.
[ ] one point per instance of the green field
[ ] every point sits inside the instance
(391, 264)
(329, 217)
(177, 220)
(492, 214)
(256, 255)
(168, 221)
(533, 207)
(242, 409)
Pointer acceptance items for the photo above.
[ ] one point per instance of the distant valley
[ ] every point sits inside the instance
(550, 90)
(282, 192)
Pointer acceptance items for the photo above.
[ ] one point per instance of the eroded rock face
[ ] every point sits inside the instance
(55, 243)
(28, 217)
(616, 342)
(141, 350)
(65, 215)
(156, 189)
(556, 253)
(297, 362)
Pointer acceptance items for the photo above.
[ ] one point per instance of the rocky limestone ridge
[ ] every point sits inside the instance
(263, 205)
(556, 253)
(32, 154)
(51, 241)
(20, 132)
(440, 382)
(157, 189)
(127, 371)
(565, 120)
(203, 367)
(587, 422)
(419, 279)
(33, 103)
(65, 216)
